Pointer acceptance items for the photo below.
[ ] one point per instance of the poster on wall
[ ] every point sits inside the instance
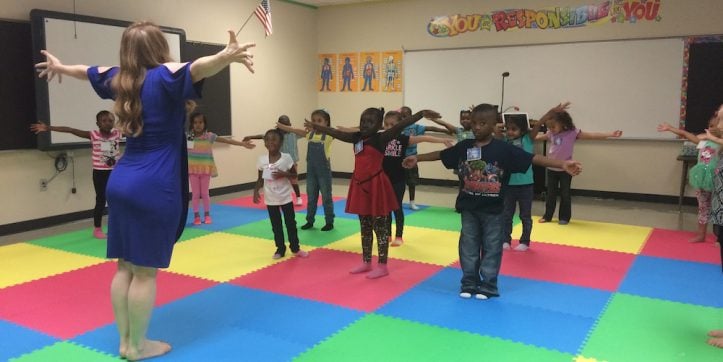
(348, 66)
(392, 71)
(369, 71)
(609, 13)
(327, 73)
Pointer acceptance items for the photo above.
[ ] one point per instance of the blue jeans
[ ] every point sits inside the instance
(522, 195)
(318, 180)
(480, 251)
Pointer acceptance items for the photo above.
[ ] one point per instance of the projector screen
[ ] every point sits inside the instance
(77, 39)
(631, 85)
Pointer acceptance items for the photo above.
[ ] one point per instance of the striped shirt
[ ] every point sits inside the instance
(106, 150)
(200, 155)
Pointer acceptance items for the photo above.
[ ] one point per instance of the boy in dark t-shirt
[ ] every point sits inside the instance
(484, 166)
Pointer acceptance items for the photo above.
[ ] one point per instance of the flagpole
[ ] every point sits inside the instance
(245, 22)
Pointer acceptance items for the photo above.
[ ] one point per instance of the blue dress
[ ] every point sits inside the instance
(147, 191)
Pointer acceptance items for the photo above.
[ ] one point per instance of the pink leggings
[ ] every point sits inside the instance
(199, 190)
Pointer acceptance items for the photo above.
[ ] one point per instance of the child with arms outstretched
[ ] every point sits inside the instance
(105, 153)
(484, 166)
(521, 186)
(201, 166)
(700, 176)
(318, 169)
(370, 192)
(562, 135)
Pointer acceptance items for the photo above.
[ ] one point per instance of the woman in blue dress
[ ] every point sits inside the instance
(147, 191)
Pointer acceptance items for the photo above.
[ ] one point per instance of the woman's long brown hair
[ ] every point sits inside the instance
(143, 46)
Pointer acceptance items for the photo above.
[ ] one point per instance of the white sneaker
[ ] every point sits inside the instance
(506, 246)
(521, 247)
(299, 201)
(481, 296)
(413, 206)
(465, 295)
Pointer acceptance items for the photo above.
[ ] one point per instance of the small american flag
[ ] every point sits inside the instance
(263, 12)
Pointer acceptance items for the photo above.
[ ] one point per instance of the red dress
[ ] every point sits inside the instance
(370, 191)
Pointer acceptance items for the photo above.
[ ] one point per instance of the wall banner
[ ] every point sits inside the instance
(605, 12)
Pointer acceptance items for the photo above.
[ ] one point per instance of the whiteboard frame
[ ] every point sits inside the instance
(42, 88)
(679, 89)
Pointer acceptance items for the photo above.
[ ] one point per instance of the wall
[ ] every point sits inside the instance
(647, 167)
(279, 86)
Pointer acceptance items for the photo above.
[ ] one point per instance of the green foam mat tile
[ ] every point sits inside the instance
(442, 218)
(380, 338)
(65, 351)
(636, 328)
(79, 242)
(313, 237)
(192, 233)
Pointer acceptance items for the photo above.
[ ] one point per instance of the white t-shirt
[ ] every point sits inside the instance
(276, 191)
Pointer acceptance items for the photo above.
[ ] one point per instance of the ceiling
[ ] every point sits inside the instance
(332, 2)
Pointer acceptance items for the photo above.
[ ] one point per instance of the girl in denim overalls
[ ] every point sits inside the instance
(318, 169)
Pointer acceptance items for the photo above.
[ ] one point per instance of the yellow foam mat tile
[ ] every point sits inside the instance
(423, 245)
(221, 257)
(22, 262)
(589, 234)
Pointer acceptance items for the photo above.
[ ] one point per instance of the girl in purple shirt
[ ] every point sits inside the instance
(561, 135)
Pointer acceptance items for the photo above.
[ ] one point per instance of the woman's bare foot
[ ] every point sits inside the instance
(543, 220)
(123, 350)
(150, 349)
(717, 333)
(717, 342)
(698, 238)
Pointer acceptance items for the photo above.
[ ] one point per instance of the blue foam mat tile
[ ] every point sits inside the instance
(228, 322)
(16, 340)
(675, 280)
(520, 315)
(226, 217)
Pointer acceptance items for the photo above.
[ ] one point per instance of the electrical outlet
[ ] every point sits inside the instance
(43, 184)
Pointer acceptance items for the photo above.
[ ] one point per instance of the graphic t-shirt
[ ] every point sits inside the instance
(106, 150)
(393, 156)
(276, 191)
(463, 134)
(523, 178)
(484, 172)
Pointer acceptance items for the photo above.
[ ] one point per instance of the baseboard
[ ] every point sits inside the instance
(49, 221)
(628, 196)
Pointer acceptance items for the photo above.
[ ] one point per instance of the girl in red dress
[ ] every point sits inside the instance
(371, 195)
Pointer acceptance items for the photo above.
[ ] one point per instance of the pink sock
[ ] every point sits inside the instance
(378, 272)
(363, 268)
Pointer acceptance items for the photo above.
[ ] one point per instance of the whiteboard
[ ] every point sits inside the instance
(74, 103)
(631, 85)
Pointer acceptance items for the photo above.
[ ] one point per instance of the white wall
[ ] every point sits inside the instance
(647, 167)
(279, 86)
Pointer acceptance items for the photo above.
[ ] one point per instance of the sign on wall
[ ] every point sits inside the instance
(392, 71)
(348, 67)
(327, 73)
(605, 12)
(369, 70)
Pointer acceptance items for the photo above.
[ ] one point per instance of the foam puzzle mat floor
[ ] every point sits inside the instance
(586, 291)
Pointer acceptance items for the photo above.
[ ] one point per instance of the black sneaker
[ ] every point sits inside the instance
(307, 226)
(326, 227)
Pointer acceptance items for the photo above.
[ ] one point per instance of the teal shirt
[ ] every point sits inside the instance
(289, 146)
(525, 178)
(463, 134)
